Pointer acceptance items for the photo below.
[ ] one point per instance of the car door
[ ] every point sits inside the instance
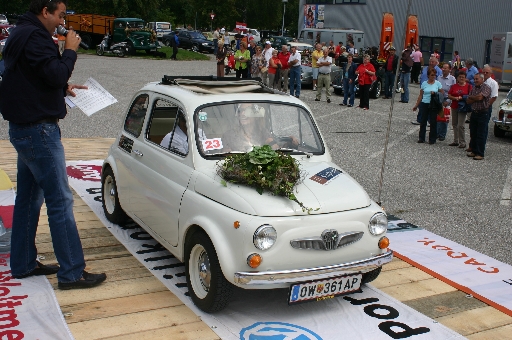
(162, 170)
(132, 129)
(184, 38)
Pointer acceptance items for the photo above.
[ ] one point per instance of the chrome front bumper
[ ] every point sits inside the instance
(503, 122)
(309, 274)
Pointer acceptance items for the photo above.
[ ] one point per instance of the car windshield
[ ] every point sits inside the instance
(135, 24)
(509, 95)
(196, 35)
(238, 127)
(163, 26)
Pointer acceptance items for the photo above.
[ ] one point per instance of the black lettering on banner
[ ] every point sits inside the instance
(181, 285)
(95, 191)
(141, 235)
(130, 226)
(311, 290)
(357, 302)
(168, 276)
(406, 333)
(169, 266)
(509, 281)
(303, 291)
(354, 281)
(392, 313)
(166, 257)
(151, 248)
(181, 274)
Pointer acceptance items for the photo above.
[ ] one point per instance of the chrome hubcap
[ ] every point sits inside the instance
(203, 266)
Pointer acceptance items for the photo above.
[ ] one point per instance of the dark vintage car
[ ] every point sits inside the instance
(191, 40)
(278, 41)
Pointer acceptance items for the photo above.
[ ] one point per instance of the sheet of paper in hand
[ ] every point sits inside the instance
(93, 99)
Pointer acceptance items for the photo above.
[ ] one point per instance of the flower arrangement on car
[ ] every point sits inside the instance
(264, 169)
(152, 38)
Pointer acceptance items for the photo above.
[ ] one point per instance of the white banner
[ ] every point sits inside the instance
(265, 314)
(487, 279)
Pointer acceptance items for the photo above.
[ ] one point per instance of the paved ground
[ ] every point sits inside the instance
(434, 186)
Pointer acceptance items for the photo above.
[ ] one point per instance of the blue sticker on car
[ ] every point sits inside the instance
(277, 331)
(326, 175)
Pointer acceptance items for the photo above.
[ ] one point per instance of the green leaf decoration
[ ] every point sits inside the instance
(265, 170)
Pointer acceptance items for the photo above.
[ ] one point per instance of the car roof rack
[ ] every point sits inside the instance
(218, 85)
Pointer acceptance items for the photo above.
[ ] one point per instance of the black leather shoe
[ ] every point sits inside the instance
(87, 280)
(40, 269)
(328, 100)
(317, 100)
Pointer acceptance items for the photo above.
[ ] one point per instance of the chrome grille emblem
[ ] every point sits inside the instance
(330, 238)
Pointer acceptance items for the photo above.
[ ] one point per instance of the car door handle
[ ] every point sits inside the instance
(137, 152)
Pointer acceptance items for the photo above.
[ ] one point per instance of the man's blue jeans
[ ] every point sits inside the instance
(479, 129)
(405, 78)
(348, 90)
(389, 82)
(295, 80)
(42, 175)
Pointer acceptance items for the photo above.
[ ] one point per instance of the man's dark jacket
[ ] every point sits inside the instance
(394, 63)
(351, 71)
(35, 78)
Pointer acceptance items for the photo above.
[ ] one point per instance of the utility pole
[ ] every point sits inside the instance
(284, 10)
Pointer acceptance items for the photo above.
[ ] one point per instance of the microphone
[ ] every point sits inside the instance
(63, 31)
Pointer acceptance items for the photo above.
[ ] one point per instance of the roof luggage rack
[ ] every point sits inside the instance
(218, 85)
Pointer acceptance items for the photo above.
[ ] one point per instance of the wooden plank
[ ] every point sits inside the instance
(119, 306)
(45, 237)
(396, 263)
(399, 276)
(439, 305)
(110, 290)
(131, 323)
(477, 320)
(493, 334)
(417, 290)
(93, 253)
(190, 331)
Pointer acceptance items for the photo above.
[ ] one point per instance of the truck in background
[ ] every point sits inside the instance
(501, 57)
(313, 35)
(161, 28)
(133, 31)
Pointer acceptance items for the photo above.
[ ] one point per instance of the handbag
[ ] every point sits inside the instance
(463, 107)
(264, 69)
(435, 102)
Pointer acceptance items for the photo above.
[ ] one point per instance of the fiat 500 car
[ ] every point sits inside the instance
(503, 122)
(161, 172)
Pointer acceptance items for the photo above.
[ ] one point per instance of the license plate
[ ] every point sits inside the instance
(324, 289)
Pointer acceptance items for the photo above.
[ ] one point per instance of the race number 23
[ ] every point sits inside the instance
(212, 144)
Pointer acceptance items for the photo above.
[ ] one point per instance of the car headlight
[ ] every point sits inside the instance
(378, 224)
(205, 44)
(264, 237)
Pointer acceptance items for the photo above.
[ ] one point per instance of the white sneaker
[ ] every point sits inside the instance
(314, 88)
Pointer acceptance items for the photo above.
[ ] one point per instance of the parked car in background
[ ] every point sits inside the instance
(161, 28)
(208, 35)
(3, 19)
(4, 33)
(228, 234)
(255, 34)
(376, 86)
(503, 122)
(191, 40)
(278, 41)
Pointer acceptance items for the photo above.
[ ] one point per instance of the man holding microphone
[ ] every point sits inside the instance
(32, 94)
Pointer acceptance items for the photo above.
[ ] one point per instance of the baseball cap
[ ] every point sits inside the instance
(267, 42)
(392, 48)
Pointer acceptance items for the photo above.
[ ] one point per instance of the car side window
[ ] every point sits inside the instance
(135, 117)
(168, 127)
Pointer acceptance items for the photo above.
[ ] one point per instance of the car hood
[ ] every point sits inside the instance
(506, 104)
(325, 189)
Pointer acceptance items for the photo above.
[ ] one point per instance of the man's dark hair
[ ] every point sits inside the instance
(36, 6)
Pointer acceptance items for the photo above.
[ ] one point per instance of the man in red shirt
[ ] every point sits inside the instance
(390, 68)
(283, 56)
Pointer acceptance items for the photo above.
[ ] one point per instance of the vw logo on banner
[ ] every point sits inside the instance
(277, 331)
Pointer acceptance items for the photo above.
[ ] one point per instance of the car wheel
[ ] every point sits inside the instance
(375, 91)
(110, 199)
(86, 39)
(499, 132)
(338, 91)
(371, 275)
(194, 48)
(207, 286)
(131, 48)
(99, 51)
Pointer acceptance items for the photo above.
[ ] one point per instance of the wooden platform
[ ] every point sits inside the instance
(133, 304)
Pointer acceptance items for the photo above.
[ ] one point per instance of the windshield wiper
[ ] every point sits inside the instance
(226, 153)
(308, 154)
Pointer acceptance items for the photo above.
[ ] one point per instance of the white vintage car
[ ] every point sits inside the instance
(161, 172)
(503, 122)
